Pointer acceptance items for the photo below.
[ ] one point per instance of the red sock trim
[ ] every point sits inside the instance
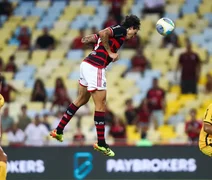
(100, 114)
(72, 106)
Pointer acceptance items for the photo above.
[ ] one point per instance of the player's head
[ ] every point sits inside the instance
(132, 24)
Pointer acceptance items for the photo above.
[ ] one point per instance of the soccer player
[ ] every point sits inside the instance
(3, 165)
(205, 137)
(3, 156)
(92, 77)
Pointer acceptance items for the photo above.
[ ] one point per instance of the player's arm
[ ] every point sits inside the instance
(207, 128)
(89, 39)
(104, 36)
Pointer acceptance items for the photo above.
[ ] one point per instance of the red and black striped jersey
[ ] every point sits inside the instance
(99, 57)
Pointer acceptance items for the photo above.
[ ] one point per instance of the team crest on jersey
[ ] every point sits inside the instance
(93, 53)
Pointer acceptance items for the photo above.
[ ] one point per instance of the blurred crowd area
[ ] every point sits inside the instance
(157, 91)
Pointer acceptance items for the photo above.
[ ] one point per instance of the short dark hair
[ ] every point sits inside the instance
(131, 21)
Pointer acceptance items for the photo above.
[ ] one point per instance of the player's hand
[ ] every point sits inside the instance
(114, 56)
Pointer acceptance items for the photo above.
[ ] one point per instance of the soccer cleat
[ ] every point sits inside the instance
(54, 134)
(104, 149)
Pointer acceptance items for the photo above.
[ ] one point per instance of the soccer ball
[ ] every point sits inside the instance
(165, 26)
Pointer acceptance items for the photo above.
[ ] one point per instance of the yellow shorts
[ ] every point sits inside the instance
(3, 170)
(207, 150)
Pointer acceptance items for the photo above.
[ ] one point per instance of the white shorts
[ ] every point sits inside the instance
(92, 77)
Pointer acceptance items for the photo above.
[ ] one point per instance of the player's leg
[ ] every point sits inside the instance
(99, 98)
(3, 165)
(82, 98)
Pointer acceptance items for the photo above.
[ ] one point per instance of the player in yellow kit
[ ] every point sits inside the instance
(205, 137)
(3, 156)
(3, 165)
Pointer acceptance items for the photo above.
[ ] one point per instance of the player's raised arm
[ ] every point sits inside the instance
(207, 128)
(89, 39)
(104, 36)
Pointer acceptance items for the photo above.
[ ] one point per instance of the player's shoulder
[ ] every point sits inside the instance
(118, 27)
(210, 107)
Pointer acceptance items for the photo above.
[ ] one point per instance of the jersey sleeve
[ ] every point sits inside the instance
(208, 116)
(117, 31)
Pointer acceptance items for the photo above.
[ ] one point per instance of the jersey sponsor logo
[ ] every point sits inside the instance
(115, 27)
(151, 165)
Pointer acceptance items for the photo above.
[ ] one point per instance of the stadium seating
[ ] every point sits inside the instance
(66, 18)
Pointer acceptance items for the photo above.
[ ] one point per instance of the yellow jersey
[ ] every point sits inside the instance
(3, 170)
(205, 139)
